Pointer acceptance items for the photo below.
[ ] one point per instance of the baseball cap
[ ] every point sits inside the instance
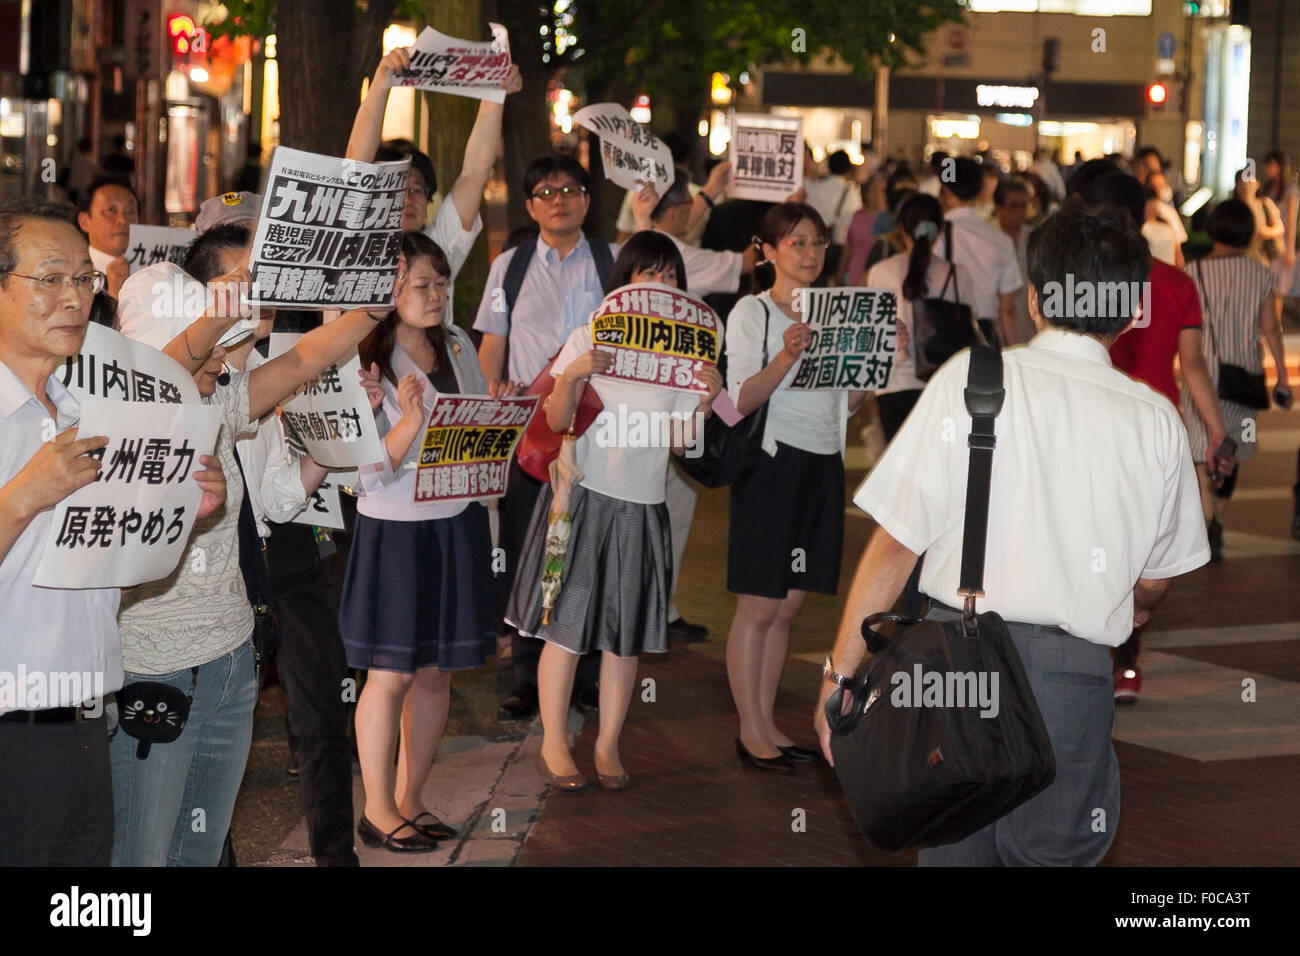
(227, 208)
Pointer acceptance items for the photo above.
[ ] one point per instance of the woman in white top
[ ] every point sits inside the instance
(787, 515)
(416, 601)
(618, 565)
(914, 274)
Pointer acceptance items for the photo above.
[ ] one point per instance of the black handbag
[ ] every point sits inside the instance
(942, 327)
(936, 773)
(730, 452)
(1236, 384)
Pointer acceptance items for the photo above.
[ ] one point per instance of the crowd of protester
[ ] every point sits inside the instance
(408, 593)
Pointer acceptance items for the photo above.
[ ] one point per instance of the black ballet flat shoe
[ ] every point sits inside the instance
(770, 764)
(417, 842)
(797, 754)
(431, 826)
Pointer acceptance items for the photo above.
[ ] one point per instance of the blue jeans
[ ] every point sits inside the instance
(1072, 822)
(174, 807)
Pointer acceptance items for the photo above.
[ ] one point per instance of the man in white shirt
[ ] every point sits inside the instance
(1093, 507)
(983, 249)
(109, 207)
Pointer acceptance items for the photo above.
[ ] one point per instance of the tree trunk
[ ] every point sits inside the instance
(527, 122)
(322, 61)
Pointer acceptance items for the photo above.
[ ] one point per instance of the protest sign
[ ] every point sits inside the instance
(443, 64)
(631, 154)
(149, 244)
(766, 156)
(854, 336)
(331, 414)
(110, 365)
(465, 455)
(133, 522)
(323, 509)
(658, 334)
(329, 233)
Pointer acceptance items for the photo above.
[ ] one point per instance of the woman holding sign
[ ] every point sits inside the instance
(618, 565)
(787, 515)
(416, 602)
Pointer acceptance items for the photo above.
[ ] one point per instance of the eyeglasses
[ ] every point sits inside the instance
(547, 193)
(799, 245)
(91, 283)
(417, 192)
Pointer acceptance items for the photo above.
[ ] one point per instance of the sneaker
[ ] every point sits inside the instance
(1214, 531)
(1128, 685)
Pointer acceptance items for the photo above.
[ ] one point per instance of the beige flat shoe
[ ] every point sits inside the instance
(574, 783)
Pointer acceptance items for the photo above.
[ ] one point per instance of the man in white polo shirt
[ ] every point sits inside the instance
(1093, 507)
(983, 249)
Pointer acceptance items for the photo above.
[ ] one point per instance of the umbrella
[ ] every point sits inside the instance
(565, 475)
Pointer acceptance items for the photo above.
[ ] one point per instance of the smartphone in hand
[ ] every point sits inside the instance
(1225, 460)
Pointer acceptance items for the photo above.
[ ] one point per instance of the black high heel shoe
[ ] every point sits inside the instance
(771, 764)
(418, 842)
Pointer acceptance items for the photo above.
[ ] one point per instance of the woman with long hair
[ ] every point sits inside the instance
(914, 274)
(416, 601)
(787, 515)
(1270, 231)
(614, 590)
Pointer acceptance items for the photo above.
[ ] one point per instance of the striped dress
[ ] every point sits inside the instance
(1232, 291)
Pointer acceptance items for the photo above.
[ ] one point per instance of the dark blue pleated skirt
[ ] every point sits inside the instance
(419, 594)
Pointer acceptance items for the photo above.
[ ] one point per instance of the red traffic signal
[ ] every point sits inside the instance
(1157, 94)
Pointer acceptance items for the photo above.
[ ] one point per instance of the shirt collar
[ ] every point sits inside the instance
(550, 254)
(1071, 343)
(14, 395)
(963, 212)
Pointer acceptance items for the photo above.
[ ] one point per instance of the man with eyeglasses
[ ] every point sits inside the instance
(109, 208)
(562, 283)
(56, 805)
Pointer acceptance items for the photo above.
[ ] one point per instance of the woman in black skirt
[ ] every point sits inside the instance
(787, 515)
(614, 590)
(416, 602)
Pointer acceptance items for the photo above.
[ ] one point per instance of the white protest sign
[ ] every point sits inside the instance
(443, 64)
(766, 155)
(329, 232)
(331, 414)
(112, 366)
(149, 244)
(631, 154)
(323, 509)
(854, 339)
(133, 522)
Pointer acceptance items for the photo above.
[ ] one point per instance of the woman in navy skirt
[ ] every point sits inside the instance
(787, 515)
(614, 590)
(416, 602)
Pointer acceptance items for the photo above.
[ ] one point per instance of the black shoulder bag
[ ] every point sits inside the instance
(929, 775)
(1236, 384)
(941, 327)
(730, 452)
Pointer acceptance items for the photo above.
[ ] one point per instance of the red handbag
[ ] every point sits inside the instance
(539, 445)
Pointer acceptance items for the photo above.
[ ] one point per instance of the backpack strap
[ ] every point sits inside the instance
(984, 395)
(516, 271)
(604, 259)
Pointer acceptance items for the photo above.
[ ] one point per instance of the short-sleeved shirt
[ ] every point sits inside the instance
(201, 610)
(624, 452)
(708, 271)
(47, 630)
(1092, 488)
(556, 297)
(455, 241)
(812, 421)
(988, 255)
(1147, 352)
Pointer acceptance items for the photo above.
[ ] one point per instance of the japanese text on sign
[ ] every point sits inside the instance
(467, 446)
(631, 154)
(147, 245)
(110, 365)
(444, 64)
(766, 154)
(853, 339)
(131, 524)
(329, 233)
(658, 335)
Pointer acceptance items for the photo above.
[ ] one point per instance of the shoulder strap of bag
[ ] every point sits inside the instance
(516, 271)
(984, 395)
(767, 321)
(1206, 323)
(604, 259)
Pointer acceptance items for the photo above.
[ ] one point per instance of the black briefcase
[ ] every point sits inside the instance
(926, 761)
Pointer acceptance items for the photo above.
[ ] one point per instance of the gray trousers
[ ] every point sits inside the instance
(1072, 822)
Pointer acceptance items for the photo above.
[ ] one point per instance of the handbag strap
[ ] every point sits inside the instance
(984, 395)
(767, 321)
(1206, 322)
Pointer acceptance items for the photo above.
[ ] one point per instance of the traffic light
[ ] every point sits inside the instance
(1157, 97)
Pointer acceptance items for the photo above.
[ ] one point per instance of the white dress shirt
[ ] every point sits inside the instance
(988, 255)
(1092, 488)
(455, 241)
(708, 271)
(273, 473)
(47, 630)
